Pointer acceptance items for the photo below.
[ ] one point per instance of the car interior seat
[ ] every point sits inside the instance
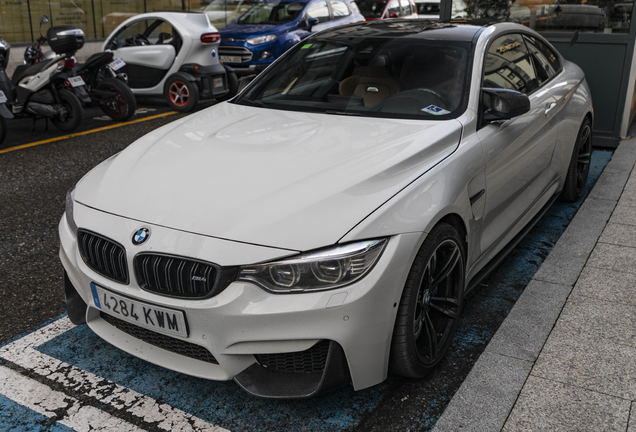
(374, 84)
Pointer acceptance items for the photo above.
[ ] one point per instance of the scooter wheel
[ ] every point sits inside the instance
(72, 116)
(3, 129)
(182, 95)
(122, 105)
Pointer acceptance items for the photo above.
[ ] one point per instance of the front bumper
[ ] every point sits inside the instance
(244, 323)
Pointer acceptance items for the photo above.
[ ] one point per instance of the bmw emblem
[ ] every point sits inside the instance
(140, 236)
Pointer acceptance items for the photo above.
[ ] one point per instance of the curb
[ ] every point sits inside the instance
(490, 391)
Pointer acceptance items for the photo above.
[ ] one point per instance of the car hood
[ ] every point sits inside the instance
(275, 178)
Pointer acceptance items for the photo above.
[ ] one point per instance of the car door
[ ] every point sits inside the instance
(148, 47)
(517, 151)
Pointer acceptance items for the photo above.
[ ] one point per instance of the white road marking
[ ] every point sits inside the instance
(43, 400)
(163, 416)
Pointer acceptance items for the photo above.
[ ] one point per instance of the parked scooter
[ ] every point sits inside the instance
(4, 111)
(42, 90)
(107, 87)
(104, 85)
(72, 82)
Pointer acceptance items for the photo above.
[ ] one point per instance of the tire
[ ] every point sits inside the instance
(579, 167)
(181, 94)
(233, 85)
(122, 106)
(72, 116)
(3, 129)
(431, 304)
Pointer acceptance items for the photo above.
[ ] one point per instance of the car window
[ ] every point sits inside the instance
(318, 10)
(547, 61)
(368, 76)
(125, 36)
(339, 9)
(394, 9)
(272, 13)
(406, 7)
(508, 65)
(371, 8)
(428, 8)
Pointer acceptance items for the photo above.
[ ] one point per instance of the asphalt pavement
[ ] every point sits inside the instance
(41, 352)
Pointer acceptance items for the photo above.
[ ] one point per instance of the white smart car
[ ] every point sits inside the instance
(324, 226)
(172, 54)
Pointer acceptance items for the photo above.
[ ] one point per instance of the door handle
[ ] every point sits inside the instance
(550, 107)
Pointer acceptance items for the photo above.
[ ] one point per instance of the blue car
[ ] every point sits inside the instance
(268, 29)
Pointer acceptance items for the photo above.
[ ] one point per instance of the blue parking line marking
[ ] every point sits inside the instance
(16, 417)
(225, 405)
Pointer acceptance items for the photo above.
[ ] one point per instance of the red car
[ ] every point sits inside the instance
(382, 9)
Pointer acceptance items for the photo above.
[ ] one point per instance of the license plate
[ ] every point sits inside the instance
(217, 82)
(3, 98)
(117, 64)
(231, 59)
(76, 81)
(162, 320)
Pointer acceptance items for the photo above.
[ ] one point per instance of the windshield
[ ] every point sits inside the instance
(371, 9)
(403, 77)
(272, 13)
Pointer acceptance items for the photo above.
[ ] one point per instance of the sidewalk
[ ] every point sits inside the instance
(565, 357)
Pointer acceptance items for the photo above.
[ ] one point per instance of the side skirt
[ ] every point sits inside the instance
(488, 268)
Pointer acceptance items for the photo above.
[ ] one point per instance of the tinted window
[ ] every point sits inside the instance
(428, 8)
(374, 77)
(546, 60)
(508, 65)
(372, 8)
(339, 9)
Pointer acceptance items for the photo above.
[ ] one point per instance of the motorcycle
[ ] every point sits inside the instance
(4, 111)
(107, 87)
(44, 89)
(104, 85)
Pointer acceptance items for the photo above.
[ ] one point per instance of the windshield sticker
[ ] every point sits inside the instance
(435, 110)
(306, 46)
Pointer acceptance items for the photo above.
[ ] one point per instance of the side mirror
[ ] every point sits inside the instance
(311, 22)
(44, 20)
(393, 15)
(505, 104)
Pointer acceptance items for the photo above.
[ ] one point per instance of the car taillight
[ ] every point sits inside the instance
(210, 37)
(69, 63)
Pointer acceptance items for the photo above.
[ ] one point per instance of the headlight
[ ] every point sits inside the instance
(260, 39)
(316, 271)
(70, 201)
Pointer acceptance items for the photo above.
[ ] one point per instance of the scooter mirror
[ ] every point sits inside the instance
(44, 20)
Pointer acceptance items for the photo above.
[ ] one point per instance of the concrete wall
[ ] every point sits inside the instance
(17, 54)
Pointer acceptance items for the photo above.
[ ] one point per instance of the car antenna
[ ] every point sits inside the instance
(574, 38)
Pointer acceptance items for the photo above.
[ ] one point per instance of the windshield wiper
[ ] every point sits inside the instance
(252, 103)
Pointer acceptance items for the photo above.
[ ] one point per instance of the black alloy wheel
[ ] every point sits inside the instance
(579, 167)
(431, 304)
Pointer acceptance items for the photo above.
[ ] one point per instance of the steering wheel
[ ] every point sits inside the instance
(140, 40)
(448, 105)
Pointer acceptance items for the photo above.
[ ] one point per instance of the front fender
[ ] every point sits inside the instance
(444, 190)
